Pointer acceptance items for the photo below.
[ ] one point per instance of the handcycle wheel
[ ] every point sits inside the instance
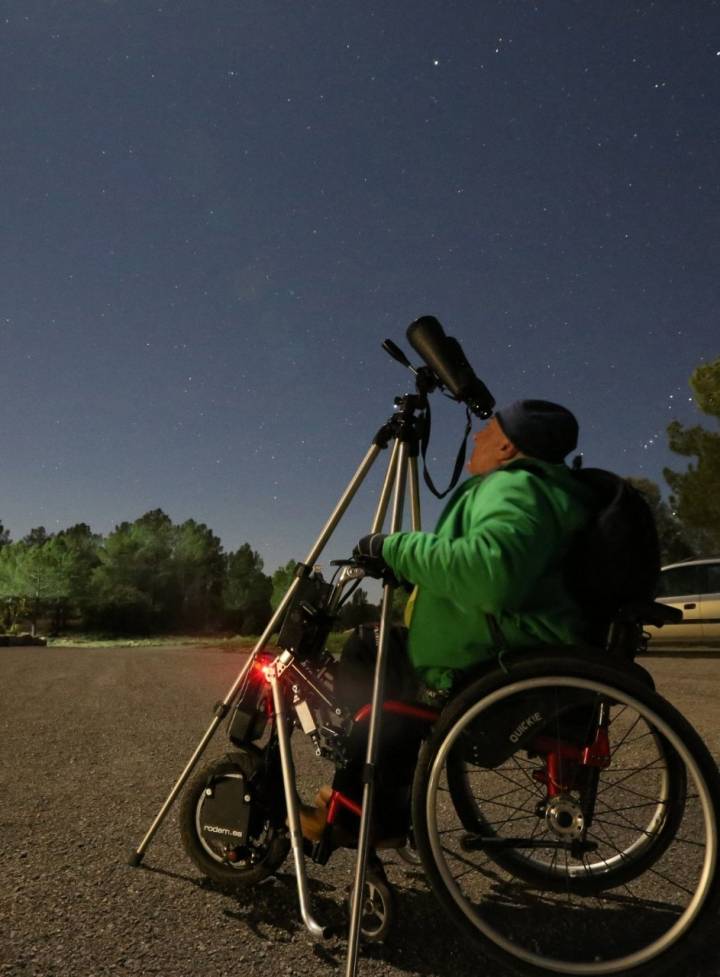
(226, 827)
(626, 887)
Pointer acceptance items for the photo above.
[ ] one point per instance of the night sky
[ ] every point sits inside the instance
(214, 212)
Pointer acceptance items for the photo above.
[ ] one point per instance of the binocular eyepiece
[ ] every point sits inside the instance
(445, 358)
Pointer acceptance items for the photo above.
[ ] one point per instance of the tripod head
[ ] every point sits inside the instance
(425, 379)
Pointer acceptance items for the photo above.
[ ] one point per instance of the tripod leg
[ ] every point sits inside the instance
(345, 500)
(374, 731)
(222, 708)
(385, 492)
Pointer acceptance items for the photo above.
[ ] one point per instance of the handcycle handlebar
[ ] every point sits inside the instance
(358, 567)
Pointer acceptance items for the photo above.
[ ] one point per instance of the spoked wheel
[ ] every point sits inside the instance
(609, 832)
(378, 913)
(578, 869)
(227, 822)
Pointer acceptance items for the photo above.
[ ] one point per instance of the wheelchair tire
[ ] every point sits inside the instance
(226, 828)
(530, 882)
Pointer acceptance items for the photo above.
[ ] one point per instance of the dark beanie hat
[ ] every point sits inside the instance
(539, 428)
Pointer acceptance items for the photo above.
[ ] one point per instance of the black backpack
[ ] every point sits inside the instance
(615, 560)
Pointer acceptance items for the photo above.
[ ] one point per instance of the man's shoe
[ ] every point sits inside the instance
(313, 819)
(312, 822)
(322, 798)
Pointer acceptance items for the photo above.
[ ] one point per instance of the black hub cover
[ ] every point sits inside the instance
(224, 814)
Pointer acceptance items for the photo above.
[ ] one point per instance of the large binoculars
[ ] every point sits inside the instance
(445, 358)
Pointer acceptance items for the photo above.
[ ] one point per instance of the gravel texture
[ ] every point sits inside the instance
(91, 742)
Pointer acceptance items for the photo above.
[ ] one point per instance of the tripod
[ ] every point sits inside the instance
(404, 431)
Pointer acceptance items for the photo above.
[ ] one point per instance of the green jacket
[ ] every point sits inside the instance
(498, 549)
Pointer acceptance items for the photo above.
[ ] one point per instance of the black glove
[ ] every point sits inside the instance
(368, 554)
(370, 545)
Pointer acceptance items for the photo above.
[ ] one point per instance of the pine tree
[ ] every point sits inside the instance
(676, 543)
(695, 497)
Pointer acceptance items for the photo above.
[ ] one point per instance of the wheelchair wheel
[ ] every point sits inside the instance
(577, 869)
(591, 795)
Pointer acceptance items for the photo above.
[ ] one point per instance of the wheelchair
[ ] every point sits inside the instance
(564, 814)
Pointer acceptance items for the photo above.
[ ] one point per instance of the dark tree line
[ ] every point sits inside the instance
(146, 577)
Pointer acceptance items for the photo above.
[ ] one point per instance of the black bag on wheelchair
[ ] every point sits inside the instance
(564, 714)
(615, 560)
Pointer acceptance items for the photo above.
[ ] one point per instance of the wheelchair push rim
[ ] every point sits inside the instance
(487, 893)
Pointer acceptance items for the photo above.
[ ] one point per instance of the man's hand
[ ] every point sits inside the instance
(370, 545)
(368, 553)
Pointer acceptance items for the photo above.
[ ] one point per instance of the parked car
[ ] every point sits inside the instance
(694, 587)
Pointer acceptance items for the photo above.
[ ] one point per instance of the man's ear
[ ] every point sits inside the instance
(508, 450)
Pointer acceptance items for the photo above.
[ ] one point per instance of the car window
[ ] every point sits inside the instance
(712, 583)
(681, 580)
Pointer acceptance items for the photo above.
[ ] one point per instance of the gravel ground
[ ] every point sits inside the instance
(92, 740)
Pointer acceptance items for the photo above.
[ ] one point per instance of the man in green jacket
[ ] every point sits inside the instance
(496, 556)
(491, 572)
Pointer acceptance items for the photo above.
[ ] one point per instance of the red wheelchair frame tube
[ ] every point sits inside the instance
(399, 709)
(557, 751)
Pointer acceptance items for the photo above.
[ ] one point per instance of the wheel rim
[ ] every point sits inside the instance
(374, 914)
(489, 895)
